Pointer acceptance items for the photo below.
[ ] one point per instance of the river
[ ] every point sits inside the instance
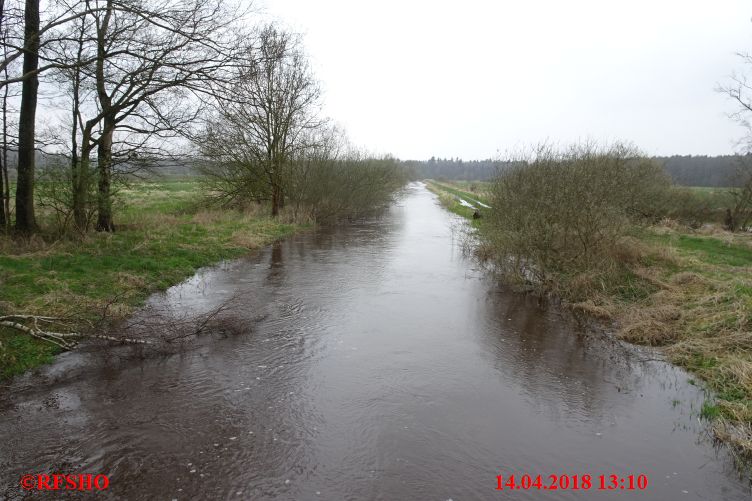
(385, 365)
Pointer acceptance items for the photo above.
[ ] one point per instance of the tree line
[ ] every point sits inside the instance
(685, 170)
(109, 88)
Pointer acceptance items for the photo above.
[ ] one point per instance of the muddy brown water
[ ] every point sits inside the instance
(386, 367)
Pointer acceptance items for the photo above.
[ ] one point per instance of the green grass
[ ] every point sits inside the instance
(454, 190)
(20, 353)
(716, 198)
(448, 198)
(713, 251)
(710, 411)
(163, 237)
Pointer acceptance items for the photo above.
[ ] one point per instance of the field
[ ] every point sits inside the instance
(164, 234)
(715, 197)
(450, 193)
(688, 292)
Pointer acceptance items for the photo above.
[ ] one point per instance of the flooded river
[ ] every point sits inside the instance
(385, 367)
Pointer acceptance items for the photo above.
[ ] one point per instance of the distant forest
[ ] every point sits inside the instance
(721, 171)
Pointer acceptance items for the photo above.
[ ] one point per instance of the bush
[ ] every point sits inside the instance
(54, 198)
(324, 181)
(327, 188)
(564, 211)
(686, 207)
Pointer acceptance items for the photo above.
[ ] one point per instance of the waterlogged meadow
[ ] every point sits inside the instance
(165, 233)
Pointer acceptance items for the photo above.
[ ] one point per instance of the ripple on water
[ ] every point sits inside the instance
(380, 365)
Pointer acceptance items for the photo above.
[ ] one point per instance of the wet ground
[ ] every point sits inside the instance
(385, 367)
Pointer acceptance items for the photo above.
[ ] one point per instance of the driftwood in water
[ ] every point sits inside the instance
(148, 327)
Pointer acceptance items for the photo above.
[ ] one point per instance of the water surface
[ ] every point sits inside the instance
(386, 366)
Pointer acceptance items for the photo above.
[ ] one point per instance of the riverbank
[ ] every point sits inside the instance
(452, 197)
(688, 293)
(164, 234)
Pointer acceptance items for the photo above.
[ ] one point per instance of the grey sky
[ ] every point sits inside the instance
(473, 78)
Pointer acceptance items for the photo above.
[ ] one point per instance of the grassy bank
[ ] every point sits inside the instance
(450, 194)
(688, 293)
(164, 234)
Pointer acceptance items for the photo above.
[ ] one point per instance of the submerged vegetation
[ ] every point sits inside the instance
(603, 230)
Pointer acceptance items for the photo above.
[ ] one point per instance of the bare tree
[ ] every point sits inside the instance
(131, 66)
(29, 46)
(258, 131)
(58, 15)
(152, 64)
(739, 90)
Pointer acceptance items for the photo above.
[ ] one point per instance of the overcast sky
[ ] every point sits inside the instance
(473, 78)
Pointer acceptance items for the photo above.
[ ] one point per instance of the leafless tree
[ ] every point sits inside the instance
(739, 90)
(136, 71)
(257, 132)
(153, 63)
(28, 46)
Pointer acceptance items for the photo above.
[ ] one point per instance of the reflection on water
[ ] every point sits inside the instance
(386, 367)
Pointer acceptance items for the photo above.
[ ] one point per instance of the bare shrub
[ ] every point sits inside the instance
(347, 185)
(566, 211)
(323, 179)
(739, 217)
(684, 206)
(55, 198)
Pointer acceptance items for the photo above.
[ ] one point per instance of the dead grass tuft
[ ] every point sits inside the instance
(164, 219)
(130, 281)
(651, 276)
(736, 433)
(589, 308)
(584, 285)
(689, 278)
(665, 255)
(207, 217)
(248, 240)
(34, 246)
(650, 332)
(629, 250)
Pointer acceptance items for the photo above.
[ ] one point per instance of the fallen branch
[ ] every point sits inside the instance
(65, 340)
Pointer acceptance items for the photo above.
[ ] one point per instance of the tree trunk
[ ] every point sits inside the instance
(4, 173)
(3, 219)
(4, 211)
(79, 166)
(275, 201)
(80, 171)
(104, 170)
(25, 220)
